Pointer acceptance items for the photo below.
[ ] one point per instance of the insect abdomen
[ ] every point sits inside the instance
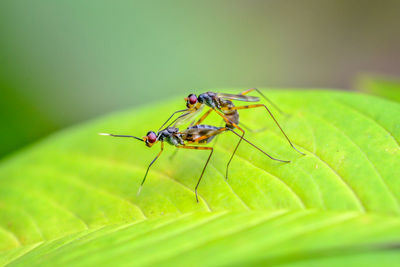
(203, 126)
(192, 134)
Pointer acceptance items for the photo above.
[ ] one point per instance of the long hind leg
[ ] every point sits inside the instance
(245, 92)
(272, 116)
(243, 126)
(262, 151)
(241, 138)
(228, 122)
(203, 117)
(205, 166)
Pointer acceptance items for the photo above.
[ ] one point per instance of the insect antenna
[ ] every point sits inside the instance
(119, 135)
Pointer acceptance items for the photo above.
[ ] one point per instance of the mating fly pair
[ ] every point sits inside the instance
(190, 138)
(221, 104)
(198, 134)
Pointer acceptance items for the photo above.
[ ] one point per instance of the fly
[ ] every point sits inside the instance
(191, 138)
(221, 104)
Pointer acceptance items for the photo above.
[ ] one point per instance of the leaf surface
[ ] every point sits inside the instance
(387, 87)
(71, 199)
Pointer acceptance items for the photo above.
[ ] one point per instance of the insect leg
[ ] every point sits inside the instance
(205, 166)
(265, 153)
(216, 138)
(266, 98)
(203, 117)
(234, 151)
(272, 116)
(148, 168)
(178, 111)
(206, 136)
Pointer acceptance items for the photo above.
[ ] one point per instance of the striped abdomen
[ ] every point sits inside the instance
(193, 133)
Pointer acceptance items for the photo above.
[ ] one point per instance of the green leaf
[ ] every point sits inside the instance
(387, 87)
(71, 199)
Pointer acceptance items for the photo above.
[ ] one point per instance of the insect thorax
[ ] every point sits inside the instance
(210, 99)
(171, 135)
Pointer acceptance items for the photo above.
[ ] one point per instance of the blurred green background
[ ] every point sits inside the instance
(63, 62)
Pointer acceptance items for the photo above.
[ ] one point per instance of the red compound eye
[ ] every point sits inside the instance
(151, 137)
(192, 99)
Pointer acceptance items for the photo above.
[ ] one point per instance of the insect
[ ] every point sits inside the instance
(191, 138)
(224, 107)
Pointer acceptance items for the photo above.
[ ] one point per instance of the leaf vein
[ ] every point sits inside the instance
(370, 119)
(78, 180)
(341, 179)
(366, 157)
(133, 167)
(272, 175)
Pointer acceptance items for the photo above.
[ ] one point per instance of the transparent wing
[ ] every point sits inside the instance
(188, 117)
(239, 97)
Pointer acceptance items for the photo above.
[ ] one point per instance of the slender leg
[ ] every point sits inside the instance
(272, 116)
(205, 166)
(241, 138)
(179, 117)
(258, 91)
(203, 117)
(216, 138)
(208, 113)
(178, 111)
(206, 136)
(233, 154)
(265, 153)
(148, 168)
(228, 122)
